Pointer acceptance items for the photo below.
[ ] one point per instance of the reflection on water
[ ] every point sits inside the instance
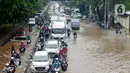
(97, 51)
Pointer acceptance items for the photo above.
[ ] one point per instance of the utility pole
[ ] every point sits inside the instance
(105, 16)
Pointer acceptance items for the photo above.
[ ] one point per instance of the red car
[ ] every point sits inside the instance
(20, 34)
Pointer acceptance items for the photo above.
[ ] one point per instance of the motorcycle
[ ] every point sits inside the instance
(57, 69)
(12, 70)
(28, 39)
(30, 28)
(75, 36)
(64, 65)
(39, 46)
(22, 49)
(17, 62)
(68, 34)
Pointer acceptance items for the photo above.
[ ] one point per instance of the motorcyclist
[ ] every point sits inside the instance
(22, 44)
(13, 54)
(56, 63)
(11, 63)
(56, 56)
(63, 43)
(28, 37)
(75, 34)
(17, 58)
(68, 32)
(64, 50)
(50, 69)
(7, 68)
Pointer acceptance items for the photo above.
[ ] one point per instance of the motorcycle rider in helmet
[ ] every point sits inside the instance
(22, 44)
(68, 32)
(7, 68)
(56, 63)
(63, 43)
(55, 56)
(18, 57)
(64, 50)
(75, 34)
(50, 69)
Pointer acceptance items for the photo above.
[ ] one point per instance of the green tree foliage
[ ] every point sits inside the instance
(127, 3)
(113, 2)
(14, 10)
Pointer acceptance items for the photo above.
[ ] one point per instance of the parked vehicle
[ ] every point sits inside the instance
(20, 34)
(40, 62)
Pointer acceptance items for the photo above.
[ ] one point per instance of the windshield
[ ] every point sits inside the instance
(58, 31)
(53, 46)
(40, 58)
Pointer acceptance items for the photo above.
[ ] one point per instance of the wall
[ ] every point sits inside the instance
(124, 21)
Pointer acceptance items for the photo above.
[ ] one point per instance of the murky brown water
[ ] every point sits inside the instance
(96, 51)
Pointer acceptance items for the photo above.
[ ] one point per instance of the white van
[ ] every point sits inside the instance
(32, 21)
(58, 30)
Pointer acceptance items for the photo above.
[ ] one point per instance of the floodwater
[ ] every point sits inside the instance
(98, 51)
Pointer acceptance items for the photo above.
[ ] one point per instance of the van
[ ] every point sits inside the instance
(58, 30)
(75, 24)
(32, 21)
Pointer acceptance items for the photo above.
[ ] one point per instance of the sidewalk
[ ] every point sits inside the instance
(7, 35)
(6, 49)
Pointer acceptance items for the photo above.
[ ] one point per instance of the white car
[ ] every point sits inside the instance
(40, 62)
(52, 47)
(32, 21)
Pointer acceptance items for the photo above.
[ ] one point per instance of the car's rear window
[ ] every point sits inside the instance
(20, 32)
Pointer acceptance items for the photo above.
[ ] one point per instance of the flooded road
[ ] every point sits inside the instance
(98, 51)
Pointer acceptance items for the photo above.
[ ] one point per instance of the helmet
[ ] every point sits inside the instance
(64, 47)
(12, 57)
(56, 58)
(50, 65)
(7, 64)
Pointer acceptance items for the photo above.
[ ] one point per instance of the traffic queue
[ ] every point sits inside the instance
(50, 52)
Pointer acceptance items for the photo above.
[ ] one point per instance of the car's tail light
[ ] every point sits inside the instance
(20, 34)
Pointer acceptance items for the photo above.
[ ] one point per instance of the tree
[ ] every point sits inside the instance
(12, 11)
(127, 4)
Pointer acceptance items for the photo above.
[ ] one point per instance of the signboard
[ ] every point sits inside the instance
(119, 9)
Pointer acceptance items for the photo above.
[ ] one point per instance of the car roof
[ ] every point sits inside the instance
(58, 24)
(75, 20)
(39, 53)
(52, 41)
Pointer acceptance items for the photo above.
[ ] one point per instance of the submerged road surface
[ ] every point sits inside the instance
(98, 51)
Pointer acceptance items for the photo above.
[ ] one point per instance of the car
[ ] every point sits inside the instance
(20, 34)
(75, 23)
(52, 47)
(79, 15)
(32, 21)
(40, 62)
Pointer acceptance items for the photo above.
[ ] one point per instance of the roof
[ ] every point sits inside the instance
(58, 24)
(52, 42)
(62, 18)
(75, 20)
(39, 53)
(54, 17)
